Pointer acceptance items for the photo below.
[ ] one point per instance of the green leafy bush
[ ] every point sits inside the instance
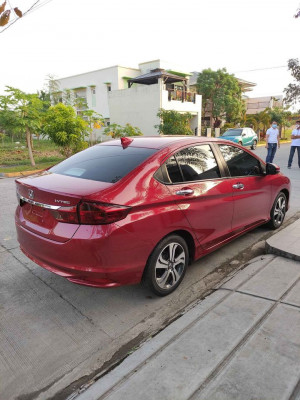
(65, 128)
(174, 123)
(117, 131)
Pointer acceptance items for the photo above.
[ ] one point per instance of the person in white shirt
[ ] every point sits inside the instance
(295, 145)
(272, 141)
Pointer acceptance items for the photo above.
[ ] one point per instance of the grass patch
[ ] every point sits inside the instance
(14, 156)
(21, 168)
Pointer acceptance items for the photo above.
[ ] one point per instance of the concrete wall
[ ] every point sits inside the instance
(137, 106)
(127, 72)
(149, 65)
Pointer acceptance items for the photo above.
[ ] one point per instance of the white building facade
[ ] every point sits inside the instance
(107, 92)
(258, 104)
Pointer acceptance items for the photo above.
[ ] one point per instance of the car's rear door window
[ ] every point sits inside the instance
(103, 163)
(173, 170)
(240, 162)
(198, 163)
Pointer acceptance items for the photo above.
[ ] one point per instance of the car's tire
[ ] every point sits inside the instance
(253, 147)
(278, 211)
(166, 266)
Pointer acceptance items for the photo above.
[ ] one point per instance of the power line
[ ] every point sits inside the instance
(261, 69)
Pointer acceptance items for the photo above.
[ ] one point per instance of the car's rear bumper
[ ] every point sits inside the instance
(99, 256)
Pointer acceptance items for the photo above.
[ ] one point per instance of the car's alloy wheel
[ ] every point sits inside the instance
(253, 147)
(278, 211)
(167, 265)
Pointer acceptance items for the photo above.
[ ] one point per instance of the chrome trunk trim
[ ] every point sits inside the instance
(36, 203)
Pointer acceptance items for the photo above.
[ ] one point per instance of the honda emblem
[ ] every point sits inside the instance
(30, 194)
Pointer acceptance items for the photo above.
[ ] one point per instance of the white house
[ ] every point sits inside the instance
(135, 95)
(115, 94)
(156, 88)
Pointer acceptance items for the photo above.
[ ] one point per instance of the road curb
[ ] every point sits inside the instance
(17, 174)
(285, 242)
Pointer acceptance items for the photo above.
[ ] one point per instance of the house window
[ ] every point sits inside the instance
(93, 97)
(108, 88)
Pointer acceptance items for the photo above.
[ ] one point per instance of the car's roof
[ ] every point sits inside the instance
(159, 142)
(235, 129)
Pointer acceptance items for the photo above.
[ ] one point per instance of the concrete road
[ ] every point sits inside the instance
(241, 342)
(55, 335)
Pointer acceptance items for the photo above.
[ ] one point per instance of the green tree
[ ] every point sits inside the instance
(56, 95)
(23, 113)
(174, 123)
(260, 121)
(292, 92)
(117, 131)
(221, 96)
(65, 128)
(7, 117)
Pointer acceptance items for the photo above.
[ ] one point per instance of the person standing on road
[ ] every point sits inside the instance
(272, 141)
(295, 144)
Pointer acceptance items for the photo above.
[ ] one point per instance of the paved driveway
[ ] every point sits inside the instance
(55, 334)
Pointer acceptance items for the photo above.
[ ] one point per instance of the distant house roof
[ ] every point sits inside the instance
(245, 85)
(152, 77)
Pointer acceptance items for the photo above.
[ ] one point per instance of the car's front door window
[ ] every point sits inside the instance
(239, 162)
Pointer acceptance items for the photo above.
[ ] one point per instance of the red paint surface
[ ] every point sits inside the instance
(116, 254)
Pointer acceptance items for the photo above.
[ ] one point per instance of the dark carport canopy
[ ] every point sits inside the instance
(154, 75)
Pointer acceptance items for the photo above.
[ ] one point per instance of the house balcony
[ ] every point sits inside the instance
(180, 95)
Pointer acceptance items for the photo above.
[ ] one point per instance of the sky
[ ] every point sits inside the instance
(252, 39)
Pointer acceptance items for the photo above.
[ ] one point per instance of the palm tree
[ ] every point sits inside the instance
(263, 120)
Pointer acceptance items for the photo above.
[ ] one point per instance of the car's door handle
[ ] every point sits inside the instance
(184, 192)
(238, 186)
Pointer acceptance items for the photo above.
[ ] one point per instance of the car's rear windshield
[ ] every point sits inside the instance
(233, 132)
(103, 163)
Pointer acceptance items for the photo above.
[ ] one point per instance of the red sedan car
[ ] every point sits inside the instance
(142, 209)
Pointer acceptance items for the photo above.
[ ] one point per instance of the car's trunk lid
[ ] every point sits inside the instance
(41, 194)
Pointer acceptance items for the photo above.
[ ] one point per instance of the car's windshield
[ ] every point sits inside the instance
(103, 163)
(233, 132)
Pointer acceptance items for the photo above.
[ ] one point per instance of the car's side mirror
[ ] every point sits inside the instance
(272, 169)
(244, 134)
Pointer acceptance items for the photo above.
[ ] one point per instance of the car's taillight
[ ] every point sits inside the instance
(66, 214)
(101, 213)
(87, 213)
